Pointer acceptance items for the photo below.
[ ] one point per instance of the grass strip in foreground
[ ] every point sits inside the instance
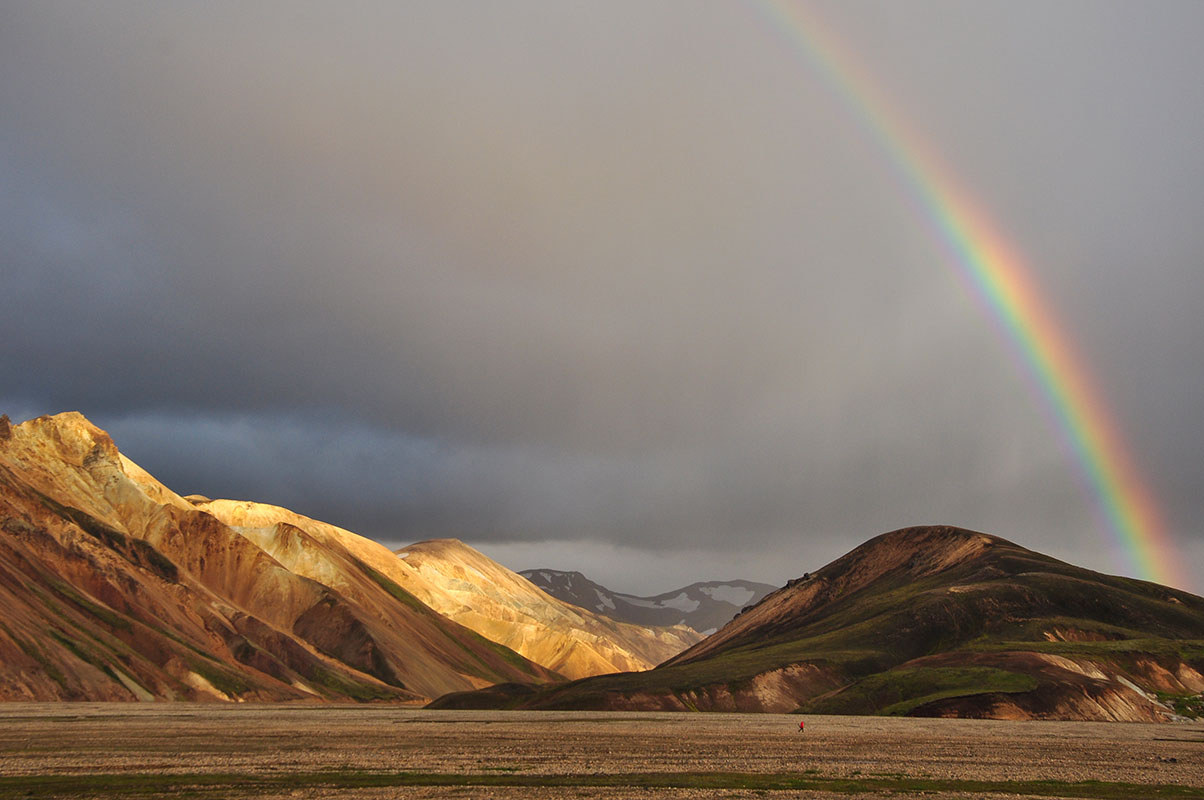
(203, 786)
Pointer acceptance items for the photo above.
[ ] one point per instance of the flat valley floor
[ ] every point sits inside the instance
(221, 751)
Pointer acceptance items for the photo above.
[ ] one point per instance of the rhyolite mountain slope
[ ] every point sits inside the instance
(462, 584)
(481, 594)
(928, 621)
(705, 606)
(113, 587)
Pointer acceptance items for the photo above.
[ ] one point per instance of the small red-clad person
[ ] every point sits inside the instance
(800, 726)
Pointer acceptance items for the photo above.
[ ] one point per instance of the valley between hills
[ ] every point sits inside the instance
(115, 588)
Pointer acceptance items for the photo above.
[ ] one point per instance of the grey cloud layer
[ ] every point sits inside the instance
(615, 274)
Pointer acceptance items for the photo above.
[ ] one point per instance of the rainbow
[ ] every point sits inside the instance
(997, 277)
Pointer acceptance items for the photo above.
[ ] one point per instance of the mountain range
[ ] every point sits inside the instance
(928, 621)
(117, 588)
(114, 587)
(705, 606)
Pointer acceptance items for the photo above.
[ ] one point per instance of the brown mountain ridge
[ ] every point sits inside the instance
(927, 621)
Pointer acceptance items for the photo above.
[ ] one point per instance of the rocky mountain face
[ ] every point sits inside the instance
(705, 606)
(502, 605)
(116, 588)
(928, 621)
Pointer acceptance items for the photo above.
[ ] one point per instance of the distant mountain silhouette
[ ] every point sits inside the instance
(705, 606)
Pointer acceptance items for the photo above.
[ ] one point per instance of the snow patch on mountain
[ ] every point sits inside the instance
(682, 602)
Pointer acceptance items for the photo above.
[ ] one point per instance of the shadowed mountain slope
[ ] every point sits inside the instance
(705, 606)
(929, 621)
(456, 580)
(116, 588)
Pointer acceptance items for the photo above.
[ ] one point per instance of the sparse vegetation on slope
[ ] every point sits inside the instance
(933, 621)
(898, 691)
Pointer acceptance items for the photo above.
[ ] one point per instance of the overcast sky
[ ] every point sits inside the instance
(618, 286)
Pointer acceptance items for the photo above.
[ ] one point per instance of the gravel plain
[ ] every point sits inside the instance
(278, 740)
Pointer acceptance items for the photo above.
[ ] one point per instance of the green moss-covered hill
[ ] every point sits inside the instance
(931, 621)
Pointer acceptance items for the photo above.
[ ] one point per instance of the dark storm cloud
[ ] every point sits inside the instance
(604, 279)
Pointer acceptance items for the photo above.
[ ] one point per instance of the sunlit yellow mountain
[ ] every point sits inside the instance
(463, 584)
(113, 587)
(483, 595)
